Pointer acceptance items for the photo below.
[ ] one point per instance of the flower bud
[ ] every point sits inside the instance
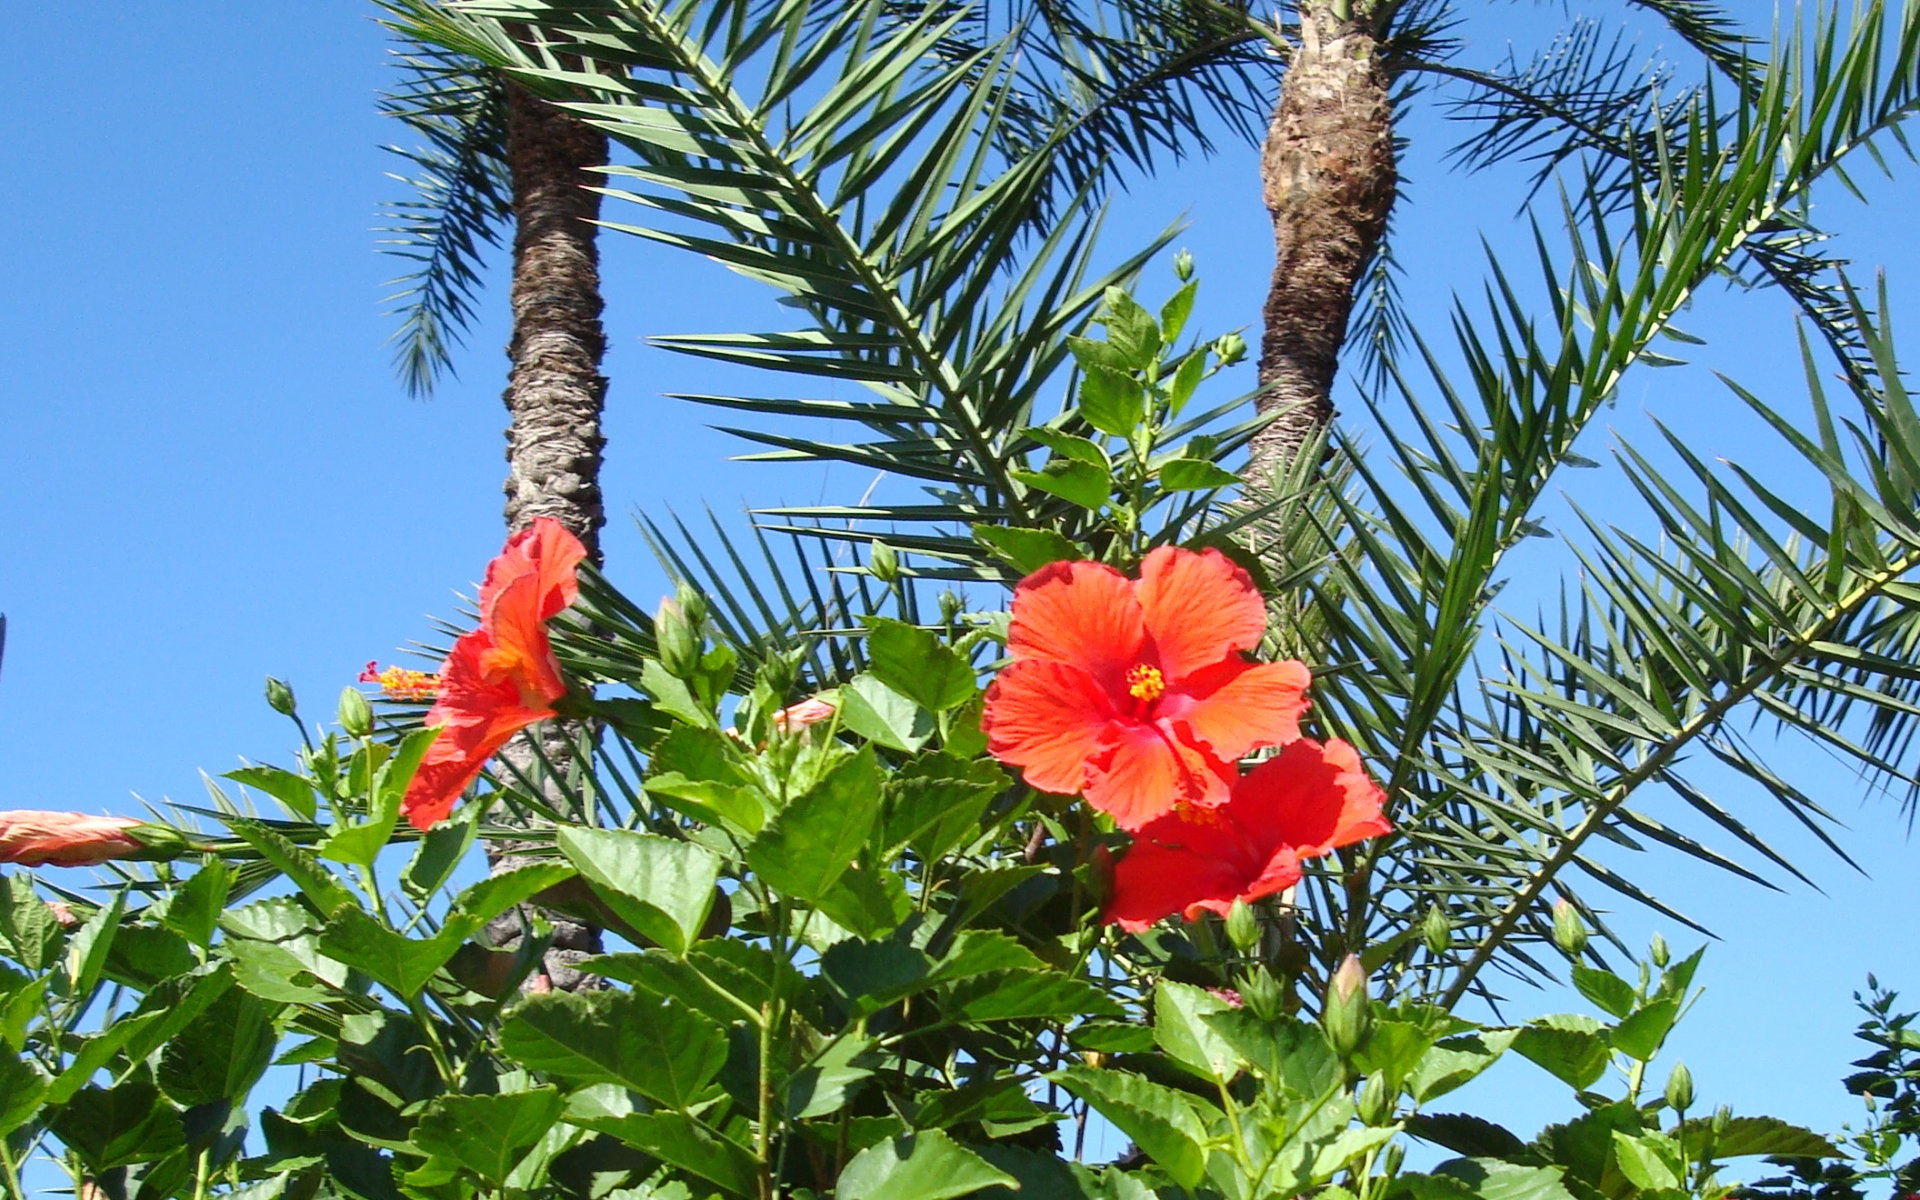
(1680, 1088)
(63, 839)
(1391, 1156)
(356, 715)
(678, 644)
(279, 696)
(1569, 931)
(1260, 993)
(1243, 928)
(1229, 348)
(795, 717)
(1658, 952)
(882, 562)
(951, 606)
(1722, 1117)
(1183, 265)
(1347, 1015)
(1376, 1102)
(1436, 930)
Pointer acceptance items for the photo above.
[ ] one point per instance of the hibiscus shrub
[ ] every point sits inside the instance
(907, 939)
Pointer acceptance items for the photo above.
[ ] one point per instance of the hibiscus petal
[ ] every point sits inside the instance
(1046, 718)
(1311, 798)
(1177, 864)
(521, 649)
(455, 759)
(546, 552)
(1198, 608)
(1144, 770)
(1081, 613)
(1234, 706)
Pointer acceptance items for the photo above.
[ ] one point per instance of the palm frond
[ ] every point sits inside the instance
(462, 201)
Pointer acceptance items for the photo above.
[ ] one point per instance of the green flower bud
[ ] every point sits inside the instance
(1347, 1015)
(1260, 994)
(279, 696)
(951, 606)
(1722, 1117)
(1243, 928)
(1436, 930)
(1229, 348)
(679, 645)
(1569, 931)
(1680, 1088)
(1658, 952)
(882, 563)
(1183, 265)
(356, 715)
(1388, 1164)
(693, 604)
(1376, 1101)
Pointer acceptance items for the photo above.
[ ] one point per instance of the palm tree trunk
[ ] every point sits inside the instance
(1328, 173)
(555, 394)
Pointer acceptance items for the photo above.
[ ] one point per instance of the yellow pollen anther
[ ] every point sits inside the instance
(1145, 683)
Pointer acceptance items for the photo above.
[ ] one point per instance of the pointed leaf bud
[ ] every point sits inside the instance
(882, 562)
(1658, 952)
(679, 646)
(1347, 1015)
(356, 715)
(1243, 928)
(1436, 930)
(1569, 931)
(1183, 265)
(279, 696)
(1680, 1088)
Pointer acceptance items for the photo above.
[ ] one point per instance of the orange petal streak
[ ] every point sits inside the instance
(1081, 613)
(1198, 608)
(1046, 718)
(1235, 706)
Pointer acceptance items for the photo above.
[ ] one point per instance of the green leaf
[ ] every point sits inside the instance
(488, 1135)
(1131, 329)
(1605, 990)
(697, 771)
(27, 924)
(1074, 481)
(1186, 381)
(1195, 475)
(1573, 1051)
(1160, 1120)
(867, 901)
(935, 802)
(1640, 1035)
(1454, 1061)
(194, 912)
(111, 1127)
(914, 662)
(663, 1050)
(294, 792)
(813, 841)
(1067, 445)
(660, 886)
(1464, 1133)
(681, 1141)
(1642, 1162)
(927, 1165)
(1289, 1051)
(402, 963)
(439, 855)
(827, 1083)
(878, 713)
(21, 1090)
(88, 948)
(221, 1053)
(1755, 1135)
(1026, 550)
(1174, 313)
(296, 864)
(1028, 994)
(497, 893)
(358, 845)
(1492, 1179)
(1112, 401)
(1179, 1030)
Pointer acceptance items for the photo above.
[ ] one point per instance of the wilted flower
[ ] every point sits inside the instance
(31, 838)
(1135, 692)
(501, 677)
(795, 717)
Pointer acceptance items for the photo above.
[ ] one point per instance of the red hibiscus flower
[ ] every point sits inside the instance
(1302, 803)
(501, 677)
(1135, 692)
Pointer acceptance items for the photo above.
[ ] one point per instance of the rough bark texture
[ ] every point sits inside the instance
(1328, 174)
(555, 393)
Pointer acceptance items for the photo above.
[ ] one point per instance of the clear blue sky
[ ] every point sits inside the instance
(209, 473)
